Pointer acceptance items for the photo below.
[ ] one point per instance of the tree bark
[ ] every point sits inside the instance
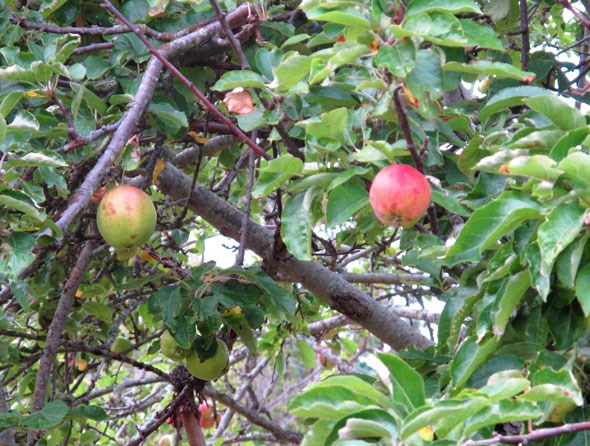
(329, 286)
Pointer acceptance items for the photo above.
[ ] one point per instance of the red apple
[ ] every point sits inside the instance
(207, 420)
(400, 195)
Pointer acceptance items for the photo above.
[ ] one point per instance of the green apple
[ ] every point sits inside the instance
(121, 345)
(126, 218)
(170, 348)
(208, 363)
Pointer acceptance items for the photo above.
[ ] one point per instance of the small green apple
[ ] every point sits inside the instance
(170, 348)
(120, 345)
(208, 363)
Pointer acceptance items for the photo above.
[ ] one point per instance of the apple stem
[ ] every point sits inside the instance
(405, 126)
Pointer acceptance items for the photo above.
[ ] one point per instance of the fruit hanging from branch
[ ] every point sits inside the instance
(126, 219)
(170, 348)
(399, 195)
(208, 360)
(208, 417)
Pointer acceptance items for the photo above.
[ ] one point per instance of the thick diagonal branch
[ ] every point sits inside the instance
(325, 284)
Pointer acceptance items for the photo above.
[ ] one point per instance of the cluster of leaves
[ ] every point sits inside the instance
(340, 89)
(396, 407)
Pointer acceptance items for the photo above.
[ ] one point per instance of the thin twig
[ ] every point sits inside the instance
(54, 333)
(391, 279)
(160, 418)
(246, 215)
(524, 27)
(86, 30)
(245, 384)
(567, 5)
(274, 428)
(405, 126)
(235, 43)
(539, 434)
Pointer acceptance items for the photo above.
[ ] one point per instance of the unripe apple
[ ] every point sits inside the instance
(166, 440)
(208, 364)
(399, 195)
(126, 218)
(120, 345)
(170, 348)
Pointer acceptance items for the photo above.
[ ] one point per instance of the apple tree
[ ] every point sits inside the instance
(445, 303)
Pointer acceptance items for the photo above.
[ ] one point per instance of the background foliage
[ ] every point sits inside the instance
(468, 328)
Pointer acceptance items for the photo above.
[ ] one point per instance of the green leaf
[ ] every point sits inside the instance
(561, 227)
(505, 411)
(470, 357)
(582, 289)
(487, 68)
(235, 79)
(296, 224)
(50, 416)
(371, 424)
(443, 416)
(24, 121)
(275, 173)
(399, 58)
(571, 139)
(344, 201)
(102, 311)
(363, 391)
(331, 402)
(568, 262)
(39, 158)
(335, 125)
(345, 176)
(560, 113)
(426, 79)
(478, 34)
(19, 201)
(3, 129)
(447, 200)
(171, 119)
(9, 101)
(96, 67)
(306, 354)
(407, 386)
(505, 384)
(292, 69)
(450, 6)
(16, 253)
(166, 303)
(49, 7)
(489, 223)
(509, 97)
(512, 293)
(576, 168)
(95, 413)
(536, 166)
(240, 325)
(343, 56)
(552, 385)
(343, 16)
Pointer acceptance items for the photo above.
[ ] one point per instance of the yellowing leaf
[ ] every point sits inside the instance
(197, 138)
(158, 168)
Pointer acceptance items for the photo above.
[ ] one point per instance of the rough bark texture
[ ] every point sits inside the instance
(331, 287)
